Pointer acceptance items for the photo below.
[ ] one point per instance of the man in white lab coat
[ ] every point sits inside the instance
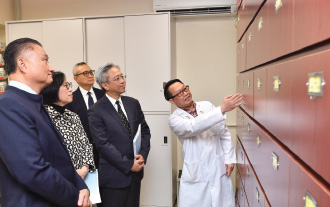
(207, 149)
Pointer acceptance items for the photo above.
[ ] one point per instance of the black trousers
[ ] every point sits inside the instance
(122, 197)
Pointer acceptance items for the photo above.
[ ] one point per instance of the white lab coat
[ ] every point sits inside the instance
(206, 148)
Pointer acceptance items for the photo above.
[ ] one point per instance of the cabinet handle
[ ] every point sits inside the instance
(249, 128)
(258, 140)
(278, 5)
(276, 84)
(315, 85)
(275, 161)
(260, 23)
(259, 83)
(250, 36)
(309, 200)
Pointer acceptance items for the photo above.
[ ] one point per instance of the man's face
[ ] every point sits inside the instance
(183, 98)
(83, 80)
(116, 83)
(39, 71)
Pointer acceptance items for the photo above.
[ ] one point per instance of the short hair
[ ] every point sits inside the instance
(101, 73)
(50, 93)
(76, 66)
(15, 49)
(167, 94)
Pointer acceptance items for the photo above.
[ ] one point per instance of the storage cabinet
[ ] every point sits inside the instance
(284, 130)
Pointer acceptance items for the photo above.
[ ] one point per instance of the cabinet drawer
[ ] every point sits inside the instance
(310, 117)
(260, 98)
(302, 184)
(310, 22)
(280, 22)
(241, 20)
(256, 40)
(279, 119)
(258, 197)
(240, 160)
(241, 55)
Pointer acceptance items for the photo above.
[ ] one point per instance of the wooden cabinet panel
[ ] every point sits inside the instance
(241, 20)
(258, 197)
(241, 55)
(310, 128)
(279, 119)
(300, 183)
(280, 23)
(257, 39)
(310, 22)
(260, 95)
(252, 6)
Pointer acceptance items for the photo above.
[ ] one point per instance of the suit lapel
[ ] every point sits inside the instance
(113, 112)
(81, 100)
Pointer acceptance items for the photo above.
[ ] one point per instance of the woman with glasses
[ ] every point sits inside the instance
(55, 97)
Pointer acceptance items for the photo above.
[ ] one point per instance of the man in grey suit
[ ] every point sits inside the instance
(114, 121)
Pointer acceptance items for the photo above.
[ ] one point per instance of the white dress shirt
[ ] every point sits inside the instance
(113, 102)
(21, 86)
(85, 95)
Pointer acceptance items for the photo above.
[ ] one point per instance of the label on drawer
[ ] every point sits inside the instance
(309, 200)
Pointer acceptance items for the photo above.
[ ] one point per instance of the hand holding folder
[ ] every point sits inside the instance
(137, 141)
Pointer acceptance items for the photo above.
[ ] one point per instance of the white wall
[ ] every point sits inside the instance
(41, 9)
(206, 61)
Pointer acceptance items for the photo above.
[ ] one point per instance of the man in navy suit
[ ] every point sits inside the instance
(85, 96)
(114, 121)
(35, 166)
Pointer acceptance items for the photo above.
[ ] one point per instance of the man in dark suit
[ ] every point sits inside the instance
(85, 96)
(35, 166)
(114, 121)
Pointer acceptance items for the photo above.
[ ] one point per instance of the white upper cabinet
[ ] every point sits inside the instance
(105, 42)
(64, 43)
(24, 29)
(147, 53)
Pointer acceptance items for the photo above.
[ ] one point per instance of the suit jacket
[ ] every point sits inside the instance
(35, 166)
(113, 142)
(78, 106)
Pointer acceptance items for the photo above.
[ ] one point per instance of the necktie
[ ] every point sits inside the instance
(123, 118)
(90, 99)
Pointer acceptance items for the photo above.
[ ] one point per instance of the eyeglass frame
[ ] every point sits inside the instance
(68, 85)
(181, 92)
(86, 73)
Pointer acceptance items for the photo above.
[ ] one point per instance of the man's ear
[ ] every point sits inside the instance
(21, 65)
(105, 86)
(75, 78)
(171, 101)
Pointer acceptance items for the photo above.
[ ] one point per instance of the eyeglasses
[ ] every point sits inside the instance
(185, 89)
(68, 85)
(118, 78)
(87, 73)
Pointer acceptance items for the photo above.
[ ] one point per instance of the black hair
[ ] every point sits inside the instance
(15, 49)
(50, 93)
(167, 93)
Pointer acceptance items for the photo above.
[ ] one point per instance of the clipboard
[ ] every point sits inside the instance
(137, 141)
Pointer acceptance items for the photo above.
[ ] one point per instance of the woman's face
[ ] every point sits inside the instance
(65, 94)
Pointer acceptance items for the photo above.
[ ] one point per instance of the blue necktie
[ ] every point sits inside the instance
(90, 99)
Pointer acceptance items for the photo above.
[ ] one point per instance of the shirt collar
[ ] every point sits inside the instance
(193, 112)
(84, 92)
(22, 86)
(113, 101)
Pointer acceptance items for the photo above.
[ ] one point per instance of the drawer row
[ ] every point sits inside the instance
(284, 182)
(291, 100)
(279, 28)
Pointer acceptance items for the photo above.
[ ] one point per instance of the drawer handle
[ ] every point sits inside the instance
(242, 156)
(278, 5)
(258, 140)
(276, 84)
(257, 195)
(247, 171)
(249, 128)
(275, 162)
(260, 24)
(250, 36)
(259, 83)
(315, 85)
(309, 200)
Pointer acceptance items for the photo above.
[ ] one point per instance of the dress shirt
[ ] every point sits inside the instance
(21, 86)
(85, 95)
(113, 102)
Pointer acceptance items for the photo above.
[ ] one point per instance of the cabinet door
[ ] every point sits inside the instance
(63, 41)
(147, 59)
(105, 42)
(156, 187)
(260, 98)
(25, 29)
